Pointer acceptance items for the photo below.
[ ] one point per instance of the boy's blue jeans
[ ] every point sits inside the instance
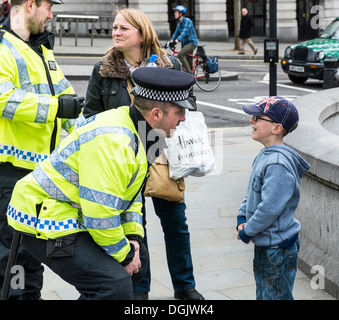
(274, 272)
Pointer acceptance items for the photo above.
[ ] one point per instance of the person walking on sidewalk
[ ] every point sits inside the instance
(7, 8)
(81, 214)
(266, 215)
(36, 100)
(246, 26)
(110, 86)
(2, 15)
(184, 33)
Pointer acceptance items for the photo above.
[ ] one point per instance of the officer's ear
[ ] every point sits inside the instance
(29, 5)
(156, 114)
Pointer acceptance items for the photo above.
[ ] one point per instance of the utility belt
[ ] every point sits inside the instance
(60, 247)
(7, 169)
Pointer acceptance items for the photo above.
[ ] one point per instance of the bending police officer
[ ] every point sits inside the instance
(110, 85)
(84, 204)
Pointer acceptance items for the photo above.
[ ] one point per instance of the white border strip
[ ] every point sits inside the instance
(221, 107)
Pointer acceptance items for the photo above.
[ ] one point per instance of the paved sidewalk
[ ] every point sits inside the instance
(222, 264)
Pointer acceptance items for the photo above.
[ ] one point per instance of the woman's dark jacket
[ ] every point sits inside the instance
(246, 26)
(107, 86)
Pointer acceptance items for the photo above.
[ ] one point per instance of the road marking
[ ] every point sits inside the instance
(242, 101)
(252, 66)
(254, 100)
(290, 87)
(238, 60)
(267, 77)
(221, 107)
(266, 81)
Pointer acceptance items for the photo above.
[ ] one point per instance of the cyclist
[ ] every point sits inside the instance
(184, 33)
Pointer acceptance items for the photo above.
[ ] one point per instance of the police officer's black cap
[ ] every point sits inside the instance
(164, 84)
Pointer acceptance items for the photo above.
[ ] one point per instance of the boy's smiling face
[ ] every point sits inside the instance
(263, 130)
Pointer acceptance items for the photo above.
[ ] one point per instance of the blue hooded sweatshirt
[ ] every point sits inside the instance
(273, 195)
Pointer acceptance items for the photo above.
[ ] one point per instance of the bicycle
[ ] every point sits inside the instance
(205, 80)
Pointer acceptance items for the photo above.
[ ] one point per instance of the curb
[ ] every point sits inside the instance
(75, 77)
(74, 73)
(72, 54)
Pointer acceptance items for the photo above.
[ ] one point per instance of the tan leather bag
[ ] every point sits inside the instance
(160, 185)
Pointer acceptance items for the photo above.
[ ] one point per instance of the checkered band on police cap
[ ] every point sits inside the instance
(158, 95)
(163, 84)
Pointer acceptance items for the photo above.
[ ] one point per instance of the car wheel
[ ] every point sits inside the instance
(296, 79)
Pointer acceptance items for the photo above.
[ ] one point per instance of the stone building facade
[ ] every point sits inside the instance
(214, 19)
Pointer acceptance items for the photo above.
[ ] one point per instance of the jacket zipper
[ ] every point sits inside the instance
(50, 83)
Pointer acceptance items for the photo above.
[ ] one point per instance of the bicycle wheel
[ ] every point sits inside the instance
(206, 81)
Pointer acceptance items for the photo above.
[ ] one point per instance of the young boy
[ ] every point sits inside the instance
(266, 214)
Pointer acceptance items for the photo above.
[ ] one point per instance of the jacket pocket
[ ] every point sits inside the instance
(60, 247)
(256, 184)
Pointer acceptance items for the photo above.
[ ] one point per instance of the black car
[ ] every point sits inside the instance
(306, 59)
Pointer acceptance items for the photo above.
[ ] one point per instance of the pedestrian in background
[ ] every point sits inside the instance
(110, 86)
(245, 32)
(81, 214)
(186, 35)
(266, 215)
(2, 14)
(36, 101)
(7, 8)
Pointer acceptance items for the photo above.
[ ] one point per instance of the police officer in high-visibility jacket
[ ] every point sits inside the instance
(80, 210)
(36, 101)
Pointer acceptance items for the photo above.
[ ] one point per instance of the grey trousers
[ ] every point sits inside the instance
(249, 42)
(185, 60)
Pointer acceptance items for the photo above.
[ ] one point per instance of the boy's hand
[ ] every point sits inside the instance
(240, 227)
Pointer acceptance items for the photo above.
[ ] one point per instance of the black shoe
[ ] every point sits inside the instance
(139, 295)
(190, 294)
(36, 296)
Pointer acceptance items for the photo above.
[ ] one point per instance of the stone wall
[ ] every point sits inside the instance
(316, 139)
(210, 16)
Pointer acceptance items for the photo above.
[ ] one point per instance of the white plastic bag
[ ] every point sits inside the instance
(189, 151)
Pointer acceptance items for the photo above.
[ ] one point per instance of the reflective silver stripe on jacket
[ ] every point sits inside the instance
(42, 89)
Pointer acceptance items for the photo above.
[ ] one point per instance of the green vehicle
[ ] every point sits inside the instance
(306, 59)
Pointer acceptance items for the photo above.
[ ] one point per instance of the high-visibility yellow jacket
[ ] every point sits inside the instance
(30, 83)
(98, 168)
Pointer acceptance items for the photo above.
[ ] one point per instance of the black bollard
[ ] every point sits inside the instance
(329, 72)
